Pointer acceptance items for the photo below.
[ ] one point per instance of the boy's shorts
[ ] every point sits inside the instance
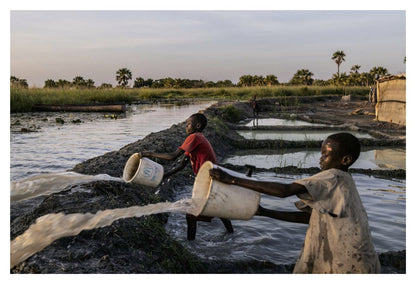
(199, 218)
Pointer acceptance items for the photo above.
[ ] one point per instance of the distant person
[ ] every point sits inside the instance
(372, 97)
(255, 108)
(338, 239)
(198, 150)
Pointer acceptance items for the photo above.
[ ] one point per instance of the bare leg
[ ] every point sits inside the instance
(228, 225)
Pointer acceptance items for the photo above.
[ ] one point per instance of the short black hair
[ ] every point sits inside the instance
(201, 119)
(348, 144)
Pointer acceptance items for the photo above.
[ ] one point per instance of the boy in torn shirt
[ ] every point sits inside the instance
(338, 239)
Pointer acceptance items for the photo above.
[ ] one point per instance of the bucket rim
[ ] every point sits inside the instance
(134, 156)
(203, 170)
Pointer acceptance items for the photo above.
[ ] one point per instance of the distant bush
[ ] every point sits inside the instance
(230, 113)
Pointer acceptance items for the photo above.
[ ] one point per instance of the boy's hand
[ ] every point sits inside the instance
(142, 154)
(220, 175)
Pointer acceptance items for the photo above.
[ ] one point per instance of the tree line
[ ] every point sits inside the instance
(301, 77)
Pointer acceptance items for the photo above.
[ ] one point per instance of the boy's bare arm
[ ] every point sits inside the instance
(182, 163)
(266, 187)
(289, 216)
(164, 156)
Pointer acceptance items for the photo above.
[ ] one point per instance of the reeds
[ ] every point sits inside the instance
(23, 99)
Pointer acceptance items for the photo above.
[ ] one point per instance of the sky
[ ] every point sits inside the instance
(206, 44)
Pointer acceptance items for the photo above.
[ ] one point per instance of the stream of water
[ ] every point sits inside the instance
(51, 227)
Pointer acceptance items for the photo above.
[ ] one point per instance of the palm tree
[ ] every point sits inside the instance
(168, 82)
(89, 83)
(16, 82)
(378, 72)
(245, 80)
(353, 78)
(50, 83)
(271, 80)
(123, 77)
(63, 83)
(258, 80)
(355, 68)
(79, 82)
(302, 77)
(365, 79)
(138, 83)
(338, 56)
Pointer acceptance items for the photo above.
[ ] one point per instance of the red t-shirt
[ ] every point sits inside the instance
(198, 148)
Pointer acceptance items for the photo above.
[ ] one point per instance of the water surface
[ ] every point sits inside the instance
(280, 122)
(263, 238)
(306, 135)
(375, 159)
(56, 148)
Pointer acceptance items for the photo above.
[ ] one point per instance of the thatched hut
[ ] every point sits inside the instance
(391, 99)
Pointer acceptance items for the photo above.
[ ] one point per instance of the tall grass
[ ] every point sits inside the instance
(23, 100)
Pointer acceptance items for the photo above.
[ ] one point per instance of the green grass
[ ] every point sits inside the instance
(23, 100)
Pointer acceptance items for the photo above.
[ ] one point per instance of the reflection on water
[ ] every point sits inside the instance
(307, 135)
(267, 239)
(369, 159)
(280, 122)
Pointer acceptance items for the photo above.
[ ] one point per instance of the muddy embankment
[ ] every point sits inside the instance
(141, 245)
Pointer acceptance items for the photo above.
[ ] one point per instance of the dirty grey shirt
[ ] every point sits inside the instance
(338, 238)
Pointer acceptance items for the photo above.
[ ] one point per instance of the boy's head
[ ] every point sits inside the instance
(196, 123)
(339, 151)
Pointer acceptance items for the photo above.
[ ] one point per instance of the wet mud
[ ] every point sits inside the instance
(141, 245)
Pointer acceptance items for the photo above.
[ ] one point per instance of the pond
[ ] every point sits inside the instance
(305, 135)
(375, 159)
(280, 122)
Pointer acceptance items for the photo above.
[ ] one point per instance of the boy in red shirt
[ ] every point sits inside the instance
(198, 150)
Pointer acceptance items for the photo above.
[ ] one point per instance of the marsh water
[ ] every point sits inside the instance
(375, 159)
(312, 135)
(39, 161)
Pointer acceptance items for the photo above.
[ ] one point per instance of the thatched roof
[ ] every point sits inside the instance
(392, 77)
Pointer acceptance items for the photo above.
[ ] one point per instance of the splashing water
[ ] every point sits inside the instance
(50, 183)
(51, 227)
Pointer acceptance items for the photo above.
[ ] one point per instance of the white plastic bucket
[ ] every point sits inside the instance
(142, 171)
(216, 199)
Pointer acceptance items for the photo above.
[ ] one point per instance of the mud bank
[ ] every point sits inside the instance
(141, 245)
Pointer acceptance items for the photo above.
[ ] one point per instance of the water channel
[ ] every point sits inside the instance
(55, 148)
